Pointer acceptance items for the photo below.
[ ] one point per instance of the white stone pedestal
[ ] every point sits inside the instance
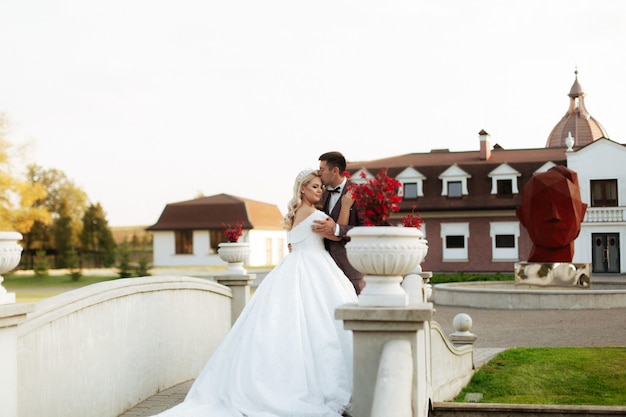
(372, 329)
(11, 315)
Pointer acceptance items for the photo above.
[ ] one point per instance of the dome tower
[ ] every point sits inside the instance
(576, 123)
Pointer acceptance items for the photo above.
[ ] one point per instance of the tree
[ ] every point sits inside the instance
(66, 204)
(62, 232)
(17, 196)
(96, 237)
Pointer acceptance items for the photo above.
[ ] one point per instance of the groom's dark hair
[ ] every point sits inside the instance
(334, 159)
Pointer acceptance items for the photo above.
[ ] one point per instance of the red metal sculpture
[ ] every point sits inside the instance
(552, 211)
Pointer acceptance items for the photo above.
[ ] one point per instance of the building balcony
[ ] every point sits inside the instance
(605, 214)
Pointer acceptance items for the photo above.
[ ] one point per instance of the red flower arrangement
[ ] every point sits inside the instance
(233, 233)
(376, 199)
(412, 219)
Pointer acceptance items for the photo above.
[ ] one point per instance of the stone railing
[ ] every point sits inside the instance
(403, 362)
(605, 214)
(101, 349)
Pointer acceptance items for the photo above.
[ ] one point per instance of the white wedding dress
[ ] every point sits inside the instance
(286, 355)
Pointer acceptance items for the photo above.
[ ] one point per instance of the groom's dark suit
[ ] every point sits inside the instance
(337, 249)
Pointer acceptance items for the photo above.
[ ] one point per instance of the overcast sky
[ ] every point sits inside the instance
(147, 102)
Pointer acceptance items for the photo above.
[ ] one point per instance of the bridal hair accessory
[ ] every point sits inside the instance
(304, 173)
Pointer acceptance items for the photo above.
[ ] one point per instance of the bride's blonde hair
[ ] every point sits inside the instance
(303, 178)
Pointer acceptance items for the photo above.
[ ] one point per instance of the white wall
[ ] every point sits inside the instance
(104, 348)
(602, 159)
(267, 247)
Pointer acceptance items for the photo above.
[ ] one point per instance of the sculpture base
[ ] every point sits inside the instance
(561, 275)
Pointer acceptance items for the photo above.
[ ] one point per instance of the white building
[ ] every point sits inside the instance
(601, 169)
(188, 232)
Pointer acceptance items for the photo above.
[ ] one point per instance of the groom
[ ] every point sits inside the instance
(332, 167)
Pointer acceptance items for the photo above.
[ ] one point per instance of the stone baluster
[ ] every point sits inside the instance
(240, 286)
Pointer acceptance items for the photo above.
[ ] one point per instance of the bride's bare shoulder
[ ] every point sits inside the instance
(301, 214)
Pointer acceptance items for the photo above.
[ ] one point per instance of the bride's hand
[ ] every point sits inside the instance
(347, 199)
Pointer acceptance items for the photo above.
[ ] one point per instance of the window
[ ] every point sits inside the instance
(505, 187)
(410, 190)
(455, 242)
(412, 183)
(505, 241)
(504, 237)
(454, 237)
(184, 242)
(454, 182)
(603, 193)
(504, 180)
(215, 237)
(455, 189)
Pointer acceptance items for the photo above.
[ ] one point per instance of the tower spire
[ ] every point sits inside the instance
(577, 122)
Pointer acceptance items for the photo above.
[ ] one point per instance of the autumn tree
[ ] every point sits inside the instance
(66, 204)
(17, 195)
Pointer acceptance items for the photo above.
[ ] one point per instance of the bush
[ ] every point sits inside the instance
(73, 264)
(143, 269)
(123, 254)
(41, 265)
(443, 278)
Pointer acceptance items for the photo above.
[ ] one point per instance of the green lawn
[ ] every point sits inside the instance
(29, 288)
(563, 376)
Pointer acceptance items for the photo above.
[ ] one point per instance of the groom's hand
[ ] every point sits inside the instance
(324, 227)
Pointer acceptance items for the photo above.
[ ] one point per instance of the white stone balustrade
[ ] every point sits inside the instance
(101, 349)
(605, 214)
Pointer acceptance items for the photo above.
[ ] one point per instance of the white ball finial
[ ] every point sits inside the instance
(462, 323)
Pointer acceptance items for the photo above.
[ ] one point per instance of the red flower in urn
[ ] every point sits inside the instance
(376, 199)
(233, 233)
(412, 219)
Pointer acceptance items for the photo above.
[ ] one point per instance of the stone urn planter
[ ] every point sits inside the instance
(235, 253)
(10, 254)
(384, 254)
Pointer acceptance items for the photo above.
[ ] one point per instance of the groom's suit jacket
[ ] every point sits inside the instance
(337, 249)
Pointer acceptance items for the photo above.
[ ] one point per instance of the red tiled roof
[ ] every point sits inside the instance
(434, 163)
(207, 213)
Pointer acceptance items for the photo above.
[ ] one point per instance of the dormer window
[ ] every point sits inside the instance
(409, 190)
(504, 187)
(545, 167)
(412, 183)
(504, 180)
(455, 189)
(454, 182)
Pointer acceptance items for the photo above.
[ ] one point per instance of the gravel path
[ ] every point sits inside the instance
(536, 328)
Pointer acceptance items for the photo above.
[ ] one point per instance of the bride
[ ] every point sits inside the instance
(286, 355)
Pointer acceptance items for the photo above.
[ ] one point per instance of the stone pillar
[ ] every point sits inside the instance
(240, 286)
(372, 328)
(11, 315)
